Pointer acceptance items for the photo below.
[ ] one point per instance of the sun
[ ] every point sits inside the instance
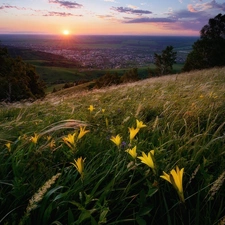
(66, 32)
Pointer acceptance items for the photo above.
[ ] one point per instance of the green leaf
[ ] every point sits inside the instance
(145, 211)
(50, 192)
(152, 191)
(140, 221)
(56, 223)
(78, 205)
(102, 218)
(70, 216)
(85, 214)
(47, 214)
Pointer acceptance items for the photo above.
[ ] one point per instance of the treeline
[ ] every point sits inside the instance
(209, 50)
(18, 80)
(114, 78)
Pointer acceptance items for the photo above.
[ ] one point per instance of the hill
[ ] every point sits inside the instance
(99, 131)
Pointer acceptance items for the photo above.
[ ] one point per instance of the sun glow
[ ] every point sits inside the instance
(66, 32)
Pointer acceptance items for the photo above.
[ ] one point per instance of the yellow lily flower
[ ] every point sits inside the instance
(91, 108)
(133, 132)
(8, 145)
(79, 165)
(48, 138)
(176, 179)
(52, 143)
(82, 132)
(116, 140)
(132, 152)
(34, 138)
(70, 140)
(148, 159)
(140, 124)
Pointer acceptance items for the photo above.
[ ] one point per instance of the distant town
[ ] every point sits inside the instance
(110, 58)
(107, 55)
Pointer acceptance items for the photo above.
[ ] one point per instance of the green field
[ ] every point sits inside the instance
(55, 76)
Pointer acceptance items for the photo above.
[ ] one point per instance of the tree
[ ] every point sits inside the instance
(107, 80)
(164, 62)
(18, 80)
(209, 50)
(130, 76)
(215, 28)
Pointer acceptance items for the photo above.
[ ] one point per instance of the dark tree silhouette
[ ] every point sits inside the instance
(164, 62)
(18, 80)
(130, 76)
(209, 50)
(107, 80)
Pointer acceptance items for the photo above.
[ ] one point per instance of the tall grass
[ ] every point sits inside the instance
(185, 126)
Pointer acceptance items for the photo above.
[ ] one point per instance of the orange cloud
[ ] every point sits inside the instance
(191, 8)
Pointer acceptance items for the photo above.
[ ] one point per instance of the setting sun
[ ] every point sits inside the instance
(66, 32)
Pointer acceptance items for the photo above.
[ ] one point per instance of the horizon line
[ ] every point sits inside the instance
(73, 35)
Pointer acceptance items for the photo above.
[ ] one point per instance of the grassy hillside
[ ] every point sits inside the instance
(182, 138)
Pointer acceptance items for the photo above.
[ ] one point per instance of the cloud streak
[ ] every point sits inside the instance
(130, 10)
(11, 7)
(59, 14)
(150, 20)
(104, 16)
(42, 12)
(66, 4)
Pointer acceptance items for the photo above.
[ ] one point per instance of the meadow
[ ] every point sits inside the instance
(149, 152)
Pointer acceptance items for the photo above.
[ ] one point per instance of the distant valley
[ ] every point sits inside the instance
(68, 59)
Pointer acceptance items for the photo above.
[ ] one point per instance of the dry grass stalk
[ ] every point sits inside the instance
(216, 186)
(65, 124)
(194, 174)
(222, 221)
(38, 196)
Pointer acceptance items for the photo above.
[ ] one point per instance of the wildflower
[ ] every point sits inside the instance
(82, 132)
(103, 110)
(140, 124)
(212, 95)
(79, 165)
(116, 140)
(132, 152)
(123, 144)
(70, 140)
(52, 143)
(133, 132)
(8, 145)
(24, 137)
(148, 159)
(91, 108)
(48, 138)
(175, 178)
(34, 138)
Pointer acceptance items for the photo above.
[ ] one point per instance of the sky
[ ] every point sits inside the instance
(107, 17)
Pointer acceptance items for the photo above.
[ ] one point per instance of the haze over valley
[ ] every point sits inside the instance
(103, 52)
